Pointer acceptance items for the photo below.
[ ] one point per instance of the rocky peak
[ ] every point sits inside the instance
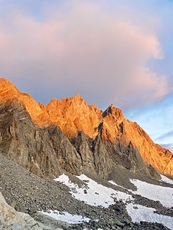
(74, 115)
(7, 90)
(108, 135)
(77, 99)
(4, 83)
(112, 110)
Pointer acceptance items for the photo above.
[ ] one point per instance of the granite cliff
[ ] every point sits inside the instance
(70, 135)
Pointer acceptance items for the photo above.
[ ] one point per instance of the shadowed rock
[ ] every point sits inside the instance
(70, 135)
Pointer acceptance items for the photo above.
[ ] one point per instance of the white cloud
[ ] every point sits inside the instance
(156, 120)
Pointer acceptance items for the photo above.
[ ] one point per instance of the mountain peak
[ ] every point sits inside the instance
(77, 97)
(4, 81)
(6, 84)
(113, 111)
(7, 90)
(73, 115)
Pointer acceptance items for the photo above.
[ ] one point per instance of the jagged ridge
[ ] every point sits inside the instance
(100, 142)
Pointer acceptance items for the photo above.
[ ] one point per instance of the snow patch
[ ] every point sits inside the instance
(154, 192)
(66, 217)
(96, 194)
(166, 179)
(93, 193)
(112, 182)
(141, 213)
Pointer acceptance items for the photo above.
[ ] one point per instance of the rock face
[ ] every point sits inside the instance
(43, 151)
(70, 135)
(10, 219)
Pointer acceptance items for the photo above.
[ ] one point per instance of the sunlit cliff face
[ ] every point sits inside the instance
(74, 115)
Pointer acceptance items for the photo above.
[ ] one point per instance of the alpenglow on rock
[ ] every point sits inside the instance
(70, 135)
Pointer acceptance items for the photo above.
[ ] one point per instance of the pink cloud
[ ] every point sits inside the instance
(99, 55)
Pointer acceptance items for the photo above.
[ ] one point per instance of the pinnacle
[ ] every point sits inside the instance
(7, 89)
(77, 97)
(113, 110)
(5, 82)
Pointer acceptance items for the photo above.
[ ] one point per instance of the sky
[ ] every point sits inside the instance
(108, 51)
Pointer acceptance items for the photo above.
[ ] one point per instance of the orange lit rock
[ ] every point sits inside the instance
(109, 137)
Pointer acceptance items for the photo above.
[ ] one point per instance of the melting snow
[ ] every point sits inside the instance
(96, 194)
(112, 182)
(66, 217)
(166, 179)
(93, 193)
(141, 213)
(154, 192)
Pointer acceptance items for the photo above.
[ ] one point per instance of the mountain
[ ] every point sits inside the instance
(70, 135)
(69, 165)
(81, 202)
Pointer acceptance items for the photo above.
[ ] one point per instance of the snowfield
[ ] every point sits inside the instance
(141, 213)
(154, 192)
(166, 179)
(66, 217)
(95, 194)
(112, 182)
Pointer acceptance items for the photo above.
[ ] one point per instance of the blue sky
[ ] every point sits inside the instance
(109, 51)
